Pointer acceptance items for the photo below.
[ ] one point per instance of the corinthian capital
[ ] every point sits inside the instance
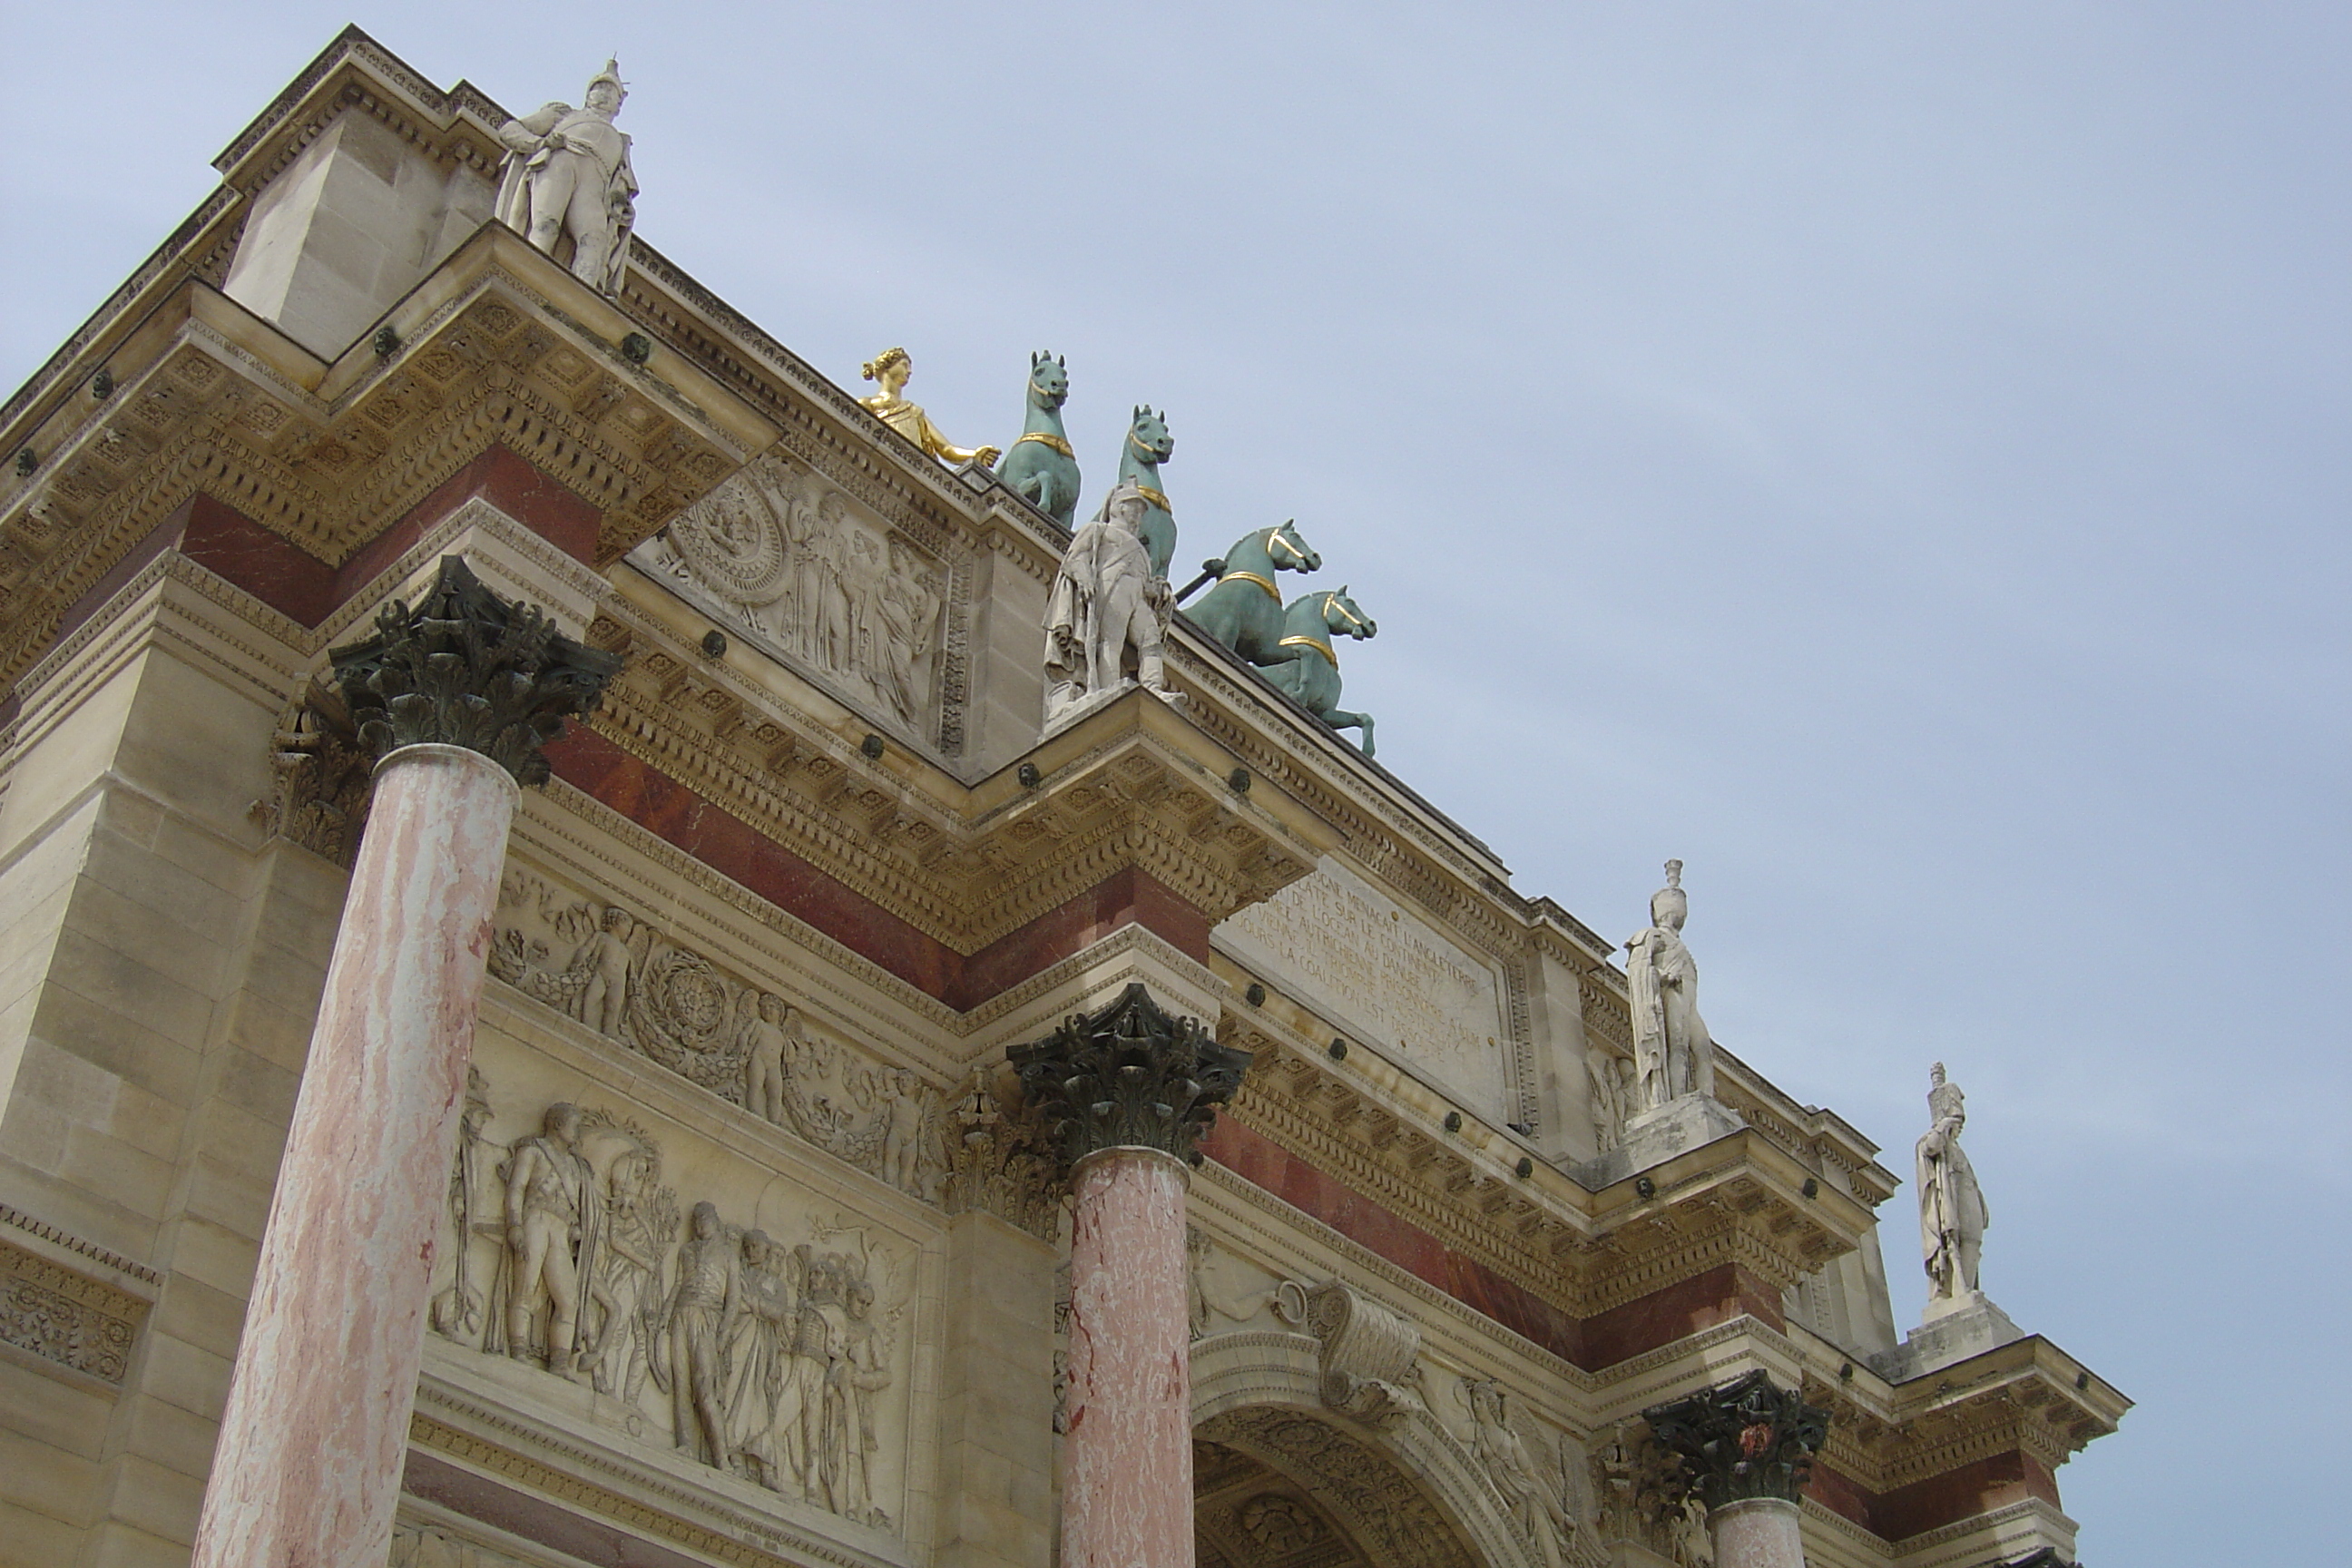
(1743, 1439)
(464, 667)
(1127, 1077)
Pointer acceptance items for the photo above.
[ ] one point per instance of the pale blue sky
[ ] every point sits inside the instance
(1893, 457)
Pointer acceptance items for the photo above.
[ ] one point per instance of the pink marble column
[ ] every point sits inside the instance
(308, 1467)
(1126, 1093)
(1758, 1532)
(1126, 1447)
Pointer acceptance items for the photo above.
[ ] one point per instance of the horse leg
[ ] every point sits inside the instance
(1339, 718)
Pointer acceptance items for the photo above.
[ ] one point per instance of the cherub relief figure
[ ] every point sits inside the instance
(606, 958)
(765, 1039)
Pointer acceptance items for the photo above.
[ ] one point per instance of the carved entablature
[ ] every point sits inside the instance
(204, 399)
(65, 1315)
(1124, 789)
(786, 559)
(2025, 1396)
(1737, 1201)
(613, 970)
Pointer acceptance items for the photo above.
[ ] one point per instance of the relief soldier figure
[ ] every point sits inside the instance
(709, 1294)
(554, 1225)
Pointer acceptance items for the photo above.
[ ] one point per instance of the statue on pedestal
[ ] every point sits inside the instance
(891, 368)
(1952, 1214)
(1107, 606)
(1674, 1056)
(567, 173)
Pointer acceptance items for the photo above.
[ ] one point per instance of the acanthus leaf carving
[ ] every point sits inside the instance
(1128, 1076)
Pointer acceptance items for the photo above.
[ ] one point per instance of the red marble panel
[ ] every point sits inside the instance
(269, 566)
(1679, 1310)
(735, 850)
(540, 502)
(1963, 1493)
(1841, 1495)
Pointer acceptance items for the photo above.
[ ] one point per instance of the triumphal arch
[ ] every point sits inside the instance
(614, 952)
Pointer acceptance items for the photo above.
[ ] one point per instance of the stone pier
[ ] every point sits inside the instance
(1126, 1091)
(454, 696)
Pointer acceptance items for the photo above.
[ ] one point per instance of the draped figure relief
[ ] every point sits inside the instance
(785, 559)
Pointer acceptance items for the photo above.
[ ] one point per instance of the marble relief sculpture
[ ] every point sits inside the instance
(781, 555)
(1952, 1213)
(1041, 468)
(555, 1215)
(627, 982)
(891, 369)
(457, 1310)
(1107, 616)
(1611, 1090)
(1674, 1056)
(707, 1298)
(1537, 1507)
(567, 177)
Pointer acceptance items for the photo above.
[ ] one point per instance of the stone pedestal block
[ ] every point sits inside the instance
(1654, 1137)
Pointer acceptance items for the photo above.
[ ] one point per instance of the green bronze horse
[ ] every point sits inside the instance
(1310, 671)
(1041, 468)
(1244, 611)
(1148, 446)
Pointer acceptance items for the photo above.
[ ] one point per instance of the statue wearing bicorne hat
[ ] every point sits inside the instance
(567, 175)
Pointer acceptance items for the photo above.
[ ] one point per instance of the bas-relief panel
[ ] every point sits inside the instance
(716, 1307)
(613, 970)
(780, 557)
(1385, 975)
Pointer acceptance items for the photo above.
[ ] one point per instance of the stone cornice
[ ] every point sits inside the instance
(1135, 785)
(210, 399)
(1382, 1132)
(2027, 1395)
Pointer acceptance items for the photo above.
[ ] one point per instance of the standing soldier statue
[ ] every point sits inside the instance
(567, 173)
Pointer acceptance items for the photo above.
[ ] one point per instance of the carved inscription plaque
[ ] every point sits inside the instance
(1385, 975)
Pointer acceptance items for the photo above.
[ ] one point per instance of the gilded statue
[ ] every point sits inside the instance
(1952, 1214)
(567, 174)
(891, 368)
(1673, 1055)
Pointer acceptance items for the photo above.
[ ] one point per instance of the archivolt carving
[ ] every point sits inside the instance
(782, 1359)
(1409, 1491)
(614, 973)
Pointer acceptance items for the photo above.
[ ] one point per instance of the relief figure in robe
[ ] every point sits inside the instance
(756, 1366)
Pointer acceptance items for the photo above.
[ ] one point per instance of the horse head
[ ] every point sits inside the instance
(1288, 549)
(1148, 437)
(1343, 615)
(1049, 382)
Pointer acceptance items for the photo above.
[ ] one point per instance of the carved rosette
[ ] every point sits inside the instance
(1127, 1077)
(1743, 1439)
(464, 667)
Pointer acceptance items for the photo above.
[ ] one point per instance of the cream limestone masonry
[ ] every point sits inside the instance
(1386, 977)
(335, 240)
